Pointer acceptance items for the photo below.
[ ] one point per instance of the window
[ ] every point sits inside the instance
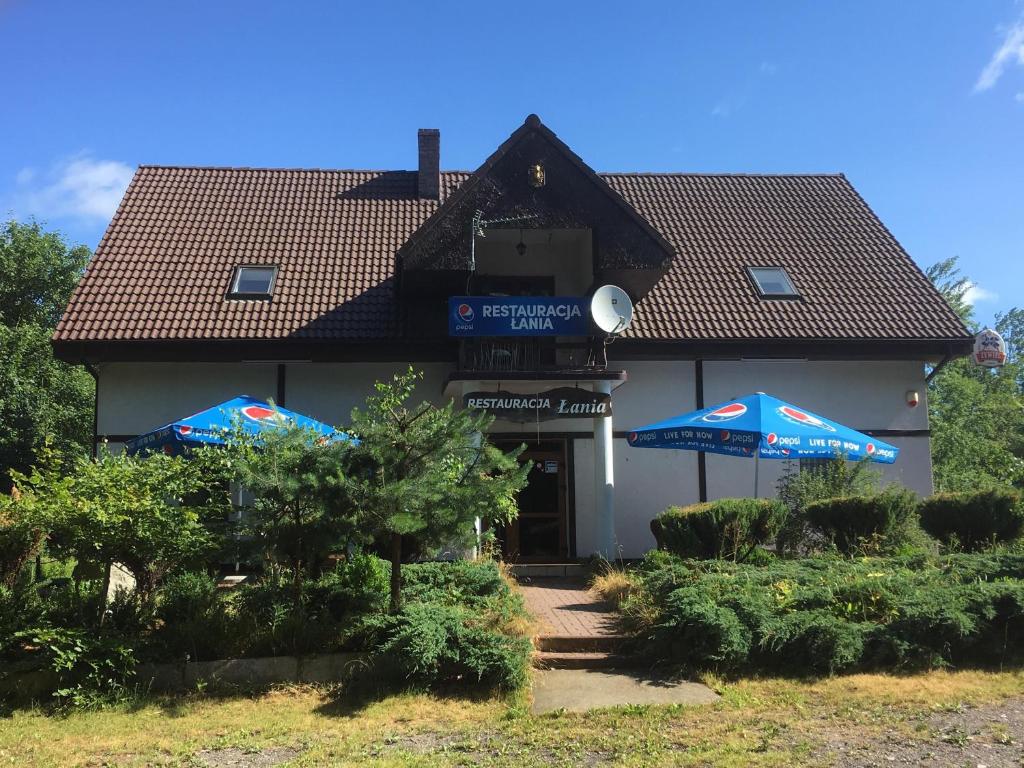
(253, 282)
(773, 282)
(814, 465)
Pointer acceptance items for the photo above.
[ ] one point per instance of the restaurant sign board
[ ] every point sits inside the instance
(518, 316)
(559, 403)
(989, 349)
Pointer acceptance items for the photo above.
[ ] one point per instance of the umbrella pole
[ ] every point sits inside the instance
(757, 466)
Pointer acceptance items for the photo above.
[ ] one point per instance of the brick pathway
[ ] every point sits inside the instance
(564, 608)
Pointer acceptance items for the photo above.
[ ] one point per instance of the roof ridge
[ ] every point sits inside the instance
(728, 174)
(454, 171)
(179, 167)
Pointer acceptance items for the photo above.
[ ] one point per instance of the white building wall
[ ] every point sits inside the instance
(329, 391)
(864, 395)
(646, 482)
(137, 397)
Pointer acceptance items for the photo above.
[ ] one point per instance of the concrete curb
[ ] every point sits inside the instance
(250, 673)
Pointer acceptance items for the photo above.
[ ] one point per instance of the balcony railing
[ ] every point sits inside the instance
(496, 355)
(506, 354)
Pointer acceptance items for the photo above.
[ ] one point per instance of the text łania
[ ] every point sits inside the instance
(532, 317)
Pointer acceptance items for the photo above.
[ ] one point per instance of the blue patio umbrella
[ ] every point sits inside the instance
(212, 426)
(762, 427)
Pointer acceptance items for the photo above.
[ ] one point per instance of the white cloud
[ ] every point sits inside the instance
(1019, 97)
(738, 97)
(79, 186)
(976, 294)
(1011, 51)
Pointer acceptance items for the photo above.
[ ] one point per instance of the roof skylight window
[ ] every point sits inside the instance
(253, 282)
(773, 283)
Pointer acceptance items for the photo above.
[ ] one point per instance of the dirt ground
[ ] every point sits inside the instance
(990, 735)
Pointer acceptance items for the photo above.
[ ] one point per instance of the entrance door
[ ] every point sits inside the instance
(540, 532)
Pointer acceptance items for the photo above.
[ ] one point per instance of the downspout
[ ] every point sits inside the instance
(702, 466)
(934, 371)
(95, 404)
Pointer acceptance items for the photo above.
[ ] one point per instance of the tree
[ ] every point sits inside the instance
(26, 518)
(300, 511)
(1010, 325)
(976, 414)
(800, 488)
(945, 276)
(40, 397)
(149, 513)
(426, 472)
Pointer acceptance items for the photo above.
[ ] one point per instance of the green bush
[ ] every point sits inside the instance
(92, 668)
(450, 582)
(828, 614)
(696, 629)
(730, 528)
(13, 617)
(974, 520)
(799, 487)
(359, 584)
(815, 641)
(429, 644)
(859, 523)
(195, 620)
(274, 622)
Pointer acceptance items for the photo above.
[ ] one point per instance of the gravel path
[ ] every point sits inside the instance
(990, 736)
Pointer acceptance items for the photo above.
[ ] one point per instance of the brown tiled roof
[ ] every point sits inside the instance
(164, 265)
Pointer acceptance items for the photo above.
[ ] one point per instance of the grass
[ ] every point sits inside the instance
(613, 584)
(769, 722)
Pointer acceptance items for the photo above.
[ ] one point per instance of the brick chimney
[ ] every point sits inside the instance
(430, 163)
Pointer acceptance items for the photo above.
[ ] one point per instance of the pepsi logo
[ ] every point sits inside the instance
(261, 413)
(796, 416)
(184, 429)
(725, 413)
(870, 449)
(725, 435)
(466, 313)
(772, 438)
(632, 437)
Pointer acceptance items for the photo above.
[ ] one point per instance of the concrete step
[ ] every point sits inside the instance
(580, 644)
(524, 571)
(569, 660)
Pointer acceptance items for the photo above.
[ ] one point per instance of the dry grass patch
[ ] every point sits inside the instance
(758, 722)
(614, 585)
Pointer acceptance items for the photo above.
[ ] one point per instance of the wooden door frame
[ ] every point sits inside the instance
(566, 495)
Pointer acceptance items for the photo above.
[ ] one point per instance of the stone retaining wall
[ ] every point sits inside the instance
(250, 673)
(22, 685)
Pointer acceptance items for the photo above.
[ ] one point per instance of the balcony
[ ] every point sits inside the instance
(506, 355)
(528, 354)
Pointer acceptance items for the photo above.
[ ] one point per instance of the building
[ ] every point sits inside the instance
(306, 286)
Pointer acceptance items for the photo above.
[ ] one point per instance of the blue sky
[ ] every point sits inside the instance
(920, 104)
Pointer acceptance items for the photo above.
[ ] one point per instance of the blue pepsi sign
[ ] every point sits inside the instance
(518, 316)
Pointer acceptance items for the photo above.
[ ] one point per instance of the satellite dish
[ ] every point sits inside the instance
(611, 309)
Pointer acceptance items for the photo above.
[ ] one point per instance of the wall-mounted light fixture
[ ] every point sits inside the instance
(536, 176)
(521, 246)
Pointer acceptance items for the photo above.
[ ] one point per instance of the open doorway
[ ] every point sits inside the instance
(541, 532)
